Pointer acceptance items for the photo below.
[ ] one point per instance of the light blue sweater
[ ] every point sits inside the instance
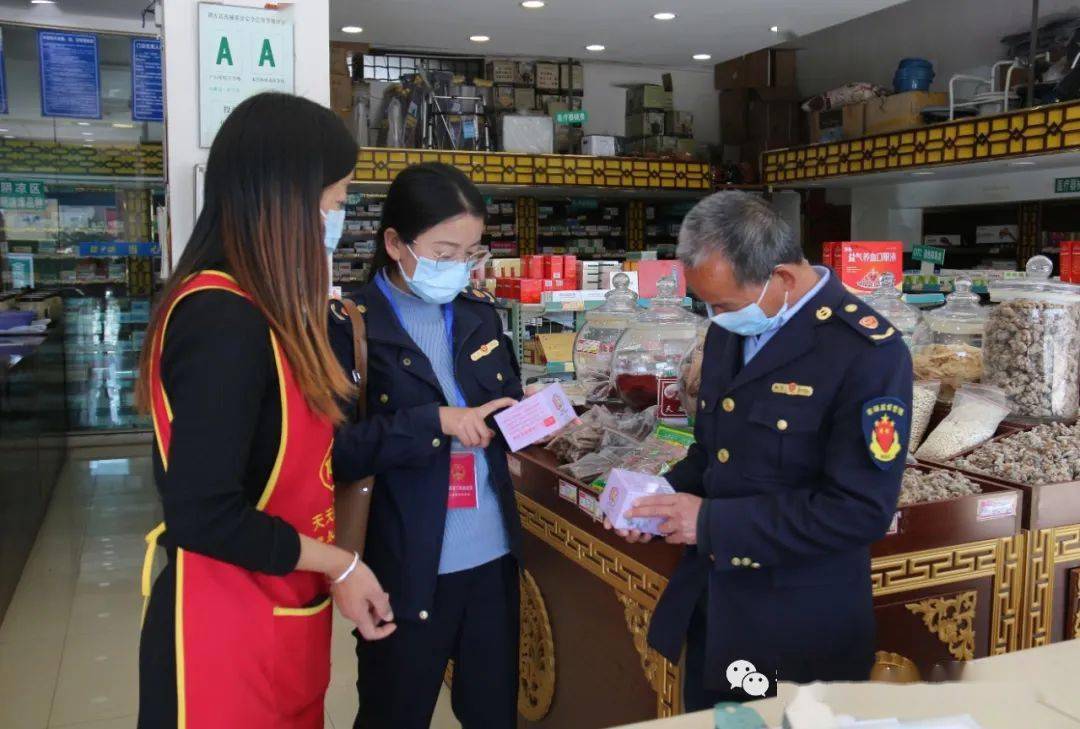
(472, 537)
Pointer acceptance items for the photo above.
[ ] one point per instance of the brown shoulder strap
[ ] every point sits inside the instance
(360, 354)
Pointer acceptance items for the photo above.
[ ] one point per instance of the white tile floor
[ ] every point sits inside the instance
(69, 641)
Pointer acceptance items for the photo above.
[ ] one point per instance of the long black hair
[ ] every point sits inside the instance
(267, 169)
(421, 197)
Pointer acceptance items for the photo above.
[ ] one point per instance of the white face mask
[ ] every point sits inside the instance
(333, 227)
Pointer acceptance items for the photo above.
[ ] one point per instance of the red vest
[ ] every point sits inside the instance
(253, 649)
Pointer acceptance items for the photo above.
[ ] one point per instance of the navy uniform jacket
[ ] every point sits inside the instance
(794, 493)
(402, 445)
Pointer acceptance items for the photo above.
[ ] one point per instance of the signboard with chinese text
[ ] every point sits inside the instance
(70, 78)
(22, 194)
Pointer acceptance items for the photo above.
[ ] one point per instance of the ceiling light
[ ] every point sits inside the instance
(123, 125)
(775, 29)
(42, 2)
(921, 174)
(702, 56)
(479, 38)
(351, 29)
(533, 4)
(595, 48)
(1022, 163)
(2, 131)
(9, 136)
(664, 16)
(88, 134)
(83, 124)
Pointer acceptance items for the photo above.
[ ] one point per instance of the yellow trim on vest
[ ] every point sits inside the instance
(284, 612)
(271, 483)
(181, 702)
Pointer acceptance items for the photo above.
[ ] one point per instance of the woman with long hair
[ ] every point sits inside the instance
(239, 377)
(443, 527)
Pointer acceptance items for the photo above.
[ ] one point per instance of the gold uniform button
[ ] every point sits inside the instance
(735, 561)
(361, 308)
(728, 404)
(499, 377)
(712, 557)
(407, 362)
(702, 404)
(756, 565)
(723, 455)
(824, 313)
(384, 398)
(436, 443)
(746, 561)
(851, 308)
(423, 614)
(781, 424)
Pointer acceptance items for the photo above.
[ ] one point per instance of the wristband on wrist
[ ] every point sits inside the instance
(349, 570)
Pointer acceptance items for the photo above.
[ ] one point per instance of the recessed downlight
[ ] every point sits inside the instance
(351, 29)
(43, 2)
(702, 56)
(925, 173)
(1022, 163)
(664, 16)
(83, 124)
(595, 48)
(775, 29)
(479, 38)
(123, 125)
(533, 4)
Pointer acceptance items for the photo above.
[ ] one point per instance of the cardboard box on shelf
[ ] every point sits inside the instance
(504, 97)
(571, 77)
(862, 263)
(527, 134)
(686, 146)
(734, 122)
(524, 99)
(645, 124)
(647, 96)
(767, 67)
(943, 240)
(656, 145)
(547, 76)
(502, 72)
(900, 111)
(775, 123)
(679, 123)
(526, 74)
(1065, 266)
(832, 125)
(599, 145)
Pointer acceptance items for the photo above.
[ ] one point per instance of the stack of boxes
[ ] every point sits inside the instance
(341, 78)
(526, 279)
(653, 126)
(1070, 261)
(528, 87)
(759, 104)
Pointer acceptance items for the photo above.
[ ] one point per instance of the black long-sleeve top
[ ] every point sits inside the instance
(219, 374)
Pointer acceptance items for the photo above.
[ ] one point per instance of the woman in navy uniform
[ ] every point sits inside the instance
(443, 529)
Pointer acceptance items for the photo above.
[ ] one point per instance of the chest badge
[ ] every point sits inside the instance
(869, 322)
(793, 389)
(484, 351)
(884, 421)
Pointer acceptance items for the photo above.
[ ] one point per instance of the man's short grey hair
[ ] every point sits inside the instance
(741, 227)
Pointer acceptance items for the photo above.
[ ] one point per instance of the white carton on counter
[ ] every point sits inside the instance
(623, 489)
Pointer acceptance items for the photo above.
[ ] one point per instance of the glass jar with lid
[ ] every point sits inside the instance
(1032, 348)
(645, 367)
(953, 353)
(595, 344)
(888, 301)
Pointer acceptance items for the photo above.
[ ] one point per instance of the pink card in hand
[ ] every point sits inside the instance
(536, 417)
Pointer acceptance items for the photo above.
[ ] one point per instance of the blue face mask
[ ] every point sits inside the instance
(333, 225)
(436, 282)
(751, 320)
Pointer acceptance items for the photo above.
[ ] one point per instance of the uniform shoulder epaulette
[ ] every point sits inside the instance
(865, 321)
(474, 294)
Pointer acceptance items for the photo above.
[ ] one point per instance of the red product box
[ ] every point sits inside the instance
(533, 267)
(562, 284)
(1074, 277)
(549, 284)
(827, 250)
(553, 267)
(1068, 252)
(862, 264)
(569, 266)
(529, 290)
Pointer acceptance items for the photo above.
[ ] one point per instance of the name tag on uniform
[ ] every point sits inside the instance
(792, 388)
(485, 350)
(462, 494)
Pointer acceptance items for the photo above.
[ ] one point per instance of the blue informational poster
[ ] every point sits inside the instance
(3, 78)
(70, 78)
(146, 84)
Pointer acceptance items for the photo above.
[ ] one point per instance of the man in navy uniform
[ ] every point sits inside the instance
(801, 437)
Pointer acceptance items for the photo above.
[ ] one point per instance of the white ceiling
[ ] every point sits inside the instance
(723, 28)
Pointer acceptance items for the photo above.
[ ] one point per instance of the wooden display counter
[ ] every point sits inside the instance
(947, 587)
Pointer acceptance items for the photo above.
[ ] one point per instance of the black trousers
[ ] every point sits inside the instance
(474, 622)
